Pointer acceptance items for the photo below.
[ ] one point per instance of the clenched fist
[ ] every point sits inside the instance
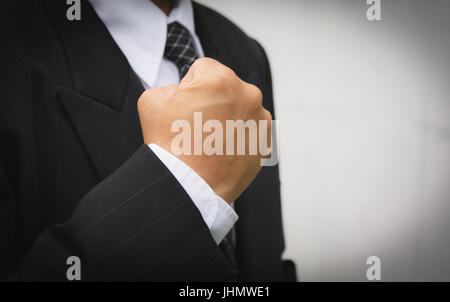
(214, 94)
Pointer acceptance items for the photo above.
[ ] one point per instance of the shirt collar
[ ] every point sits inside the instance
(139, 28)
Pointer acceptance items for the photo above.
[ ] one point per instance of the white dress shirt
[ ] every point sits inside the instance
(139, 28)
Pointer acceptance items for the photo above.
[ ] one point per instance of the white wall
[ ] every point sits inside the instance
(365, 132)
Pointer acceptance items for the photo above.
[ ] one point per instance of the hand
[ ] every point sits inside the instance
(216, 92)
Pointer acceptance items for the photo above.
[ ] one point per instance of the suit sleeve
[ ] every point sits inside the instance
(138, 224)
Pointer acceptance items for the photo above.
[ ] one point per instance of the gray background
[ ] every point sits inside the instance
(364, 113)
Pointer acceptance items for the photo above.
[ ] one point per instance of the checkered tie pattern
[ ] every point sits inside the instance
(180, 47)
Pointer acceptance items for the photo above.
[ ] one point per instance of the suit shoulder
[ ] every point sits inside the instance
(26, 25)
(18, 15)
(230, 33)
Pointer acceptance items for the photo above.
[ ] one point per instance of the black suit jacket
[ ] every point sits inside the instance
(75, 177)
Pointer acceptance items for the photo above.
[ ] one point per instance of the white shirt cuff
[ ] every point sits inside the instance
(218, 215)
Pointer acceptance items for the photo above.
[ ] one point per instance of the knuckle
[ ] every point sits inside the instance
(197, 63)
(224, 78)
(255, 95)
(225, 74)
(204, 62)
(216, 74)
(268, 116)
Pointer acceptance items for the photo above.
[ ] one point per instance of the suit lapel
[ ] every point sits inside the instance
(214, 47)
(101, 104)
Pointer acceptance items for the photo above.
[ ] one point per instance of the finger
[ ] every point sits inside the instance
(203, 67)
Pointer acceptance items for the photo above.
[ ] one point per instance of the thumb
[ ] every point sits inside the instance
(154, 98)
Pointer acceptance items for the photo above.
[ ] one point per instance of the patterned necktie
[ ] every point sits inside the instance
(180, 47)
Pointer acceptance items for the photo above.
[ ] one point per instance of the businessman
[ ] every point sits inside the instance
(86, 168)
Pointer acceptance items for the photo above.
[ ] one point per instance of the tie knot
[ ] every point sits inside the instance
(180, 47)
